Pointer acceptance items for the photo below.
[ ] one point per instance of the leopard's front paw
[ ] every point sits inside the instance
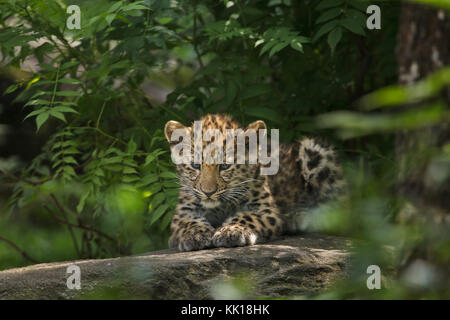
(192, 239)
(234, 235)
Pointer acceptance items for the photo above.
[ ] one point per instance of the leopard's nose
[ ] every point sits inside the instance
(209, 193)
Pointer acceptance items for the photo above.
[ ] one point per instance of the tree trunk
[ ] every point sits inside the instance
(423, 170)
(423, 48)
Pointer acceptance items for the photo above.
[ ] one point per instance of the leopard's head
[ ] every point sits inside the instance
(210, 180)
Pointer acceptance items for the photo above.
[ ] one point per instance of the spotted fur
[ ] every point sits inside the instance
(233, 205)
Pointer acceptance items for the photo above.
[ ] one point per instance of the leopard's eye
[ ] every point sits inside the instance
(195, 166)
(224, 166)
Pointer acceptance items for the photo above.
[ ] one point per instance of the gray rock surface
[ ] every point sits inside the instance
(287, 267)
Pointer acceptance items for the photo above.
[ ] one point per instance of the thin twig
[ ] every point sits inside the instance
(103, 133)
(61, 207)
(16, 178)
(194, 42)
(81, 226)
(22, 252)
(152, 105)
(72, 234)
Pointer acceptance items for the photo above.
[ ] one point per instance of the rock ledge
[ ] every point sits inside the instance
(291, 266)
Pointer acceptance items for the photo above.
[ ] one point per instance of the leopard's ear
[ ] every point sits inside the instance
(257, 125)
(170, 127)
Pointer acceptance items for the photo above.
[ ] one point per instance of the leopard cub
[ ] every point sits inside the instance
(227, 205)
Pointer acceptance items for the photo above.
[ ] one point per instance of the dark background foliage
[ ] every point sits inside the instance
(85, 168)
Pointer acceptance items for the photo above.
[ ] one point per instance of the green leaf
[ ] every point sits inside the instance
(69, 170)
(325, 4)
(231, 92)
(266, 113)
(132, 146)
(334, 37)
(115, 6)
(47, 67)
(303, 39)
(66, 103)
(37, 102)
(168, 174)
(277, 48)
(69, 64)
(44, 82)
(149, 159)
(255, 90)
(112, 160)
(58, 115)
(82, 201)
(267, 46)
(164, 20)
(328, 15)
(360, 4)
(170, 184)
(38, 94)
(397, 95)
(69, 160)
(40, 119)
(327, 27)
(165, 221)
(135, 6)
(156, 214)
(35, 112)
(130, 178)
(69, 81)
(359, 16)
(11, 89)
(68, 93)
(353, 124)
(70, 150)
(158, 199)
(149, 179)
(258, 42)
(154, 188)
(296, 45)
(110, 17)
(353, 25)
(129, 170)
(64, 109)
(30, 83)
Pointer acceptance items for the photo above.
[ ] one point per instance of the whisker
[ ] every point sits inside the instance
(243, 182)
